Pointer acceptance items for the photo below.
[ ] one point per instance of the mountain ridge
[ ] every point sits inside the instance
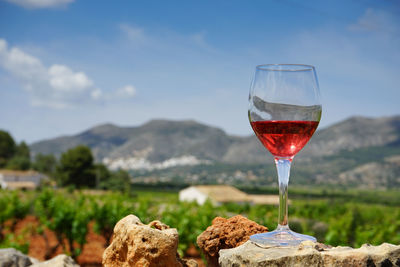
(359, 151)
(174, 138)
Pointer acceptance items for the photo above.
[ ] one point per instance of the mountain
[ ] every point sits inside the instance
(358, 151)
(155, 141)
(159, 140)
(101, 139)
(354, 133)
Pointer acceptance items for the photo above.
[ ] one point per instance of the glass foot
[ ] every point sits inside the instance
(280, 237)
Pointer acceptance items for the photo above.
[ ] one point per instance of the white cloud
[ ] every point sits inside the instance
(126, 91)
(164, 40)
(133, 33)
(57, 86)
(199, 39)
(63, 78)
(41, 3)
(96, 93)
(375, 21)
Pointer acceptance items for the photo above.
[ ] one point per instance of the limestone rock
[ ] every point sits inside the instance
(311, 254)
(10, 257)
(226, 233)
(138, 245)
(58, 261)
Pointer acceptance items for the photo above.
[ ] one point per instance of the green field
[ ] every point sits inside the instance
(335, 217)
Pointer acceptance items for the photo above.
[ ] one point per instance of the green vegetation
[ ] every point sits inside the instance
(18, 156)
(336, 194)
(336, 220)
(45, 164)
(13, 156)
(75, 169)
(21, 159)
(7, 148)
(119, 180)
(330, 207)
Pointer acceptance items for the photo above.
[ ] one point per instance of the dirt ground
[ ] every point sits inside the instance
(92, 252)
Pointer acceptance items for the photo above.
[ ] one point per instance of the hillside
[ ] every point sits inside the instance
(348, 152)
(159, 140)
(155, 141)
(354, 133)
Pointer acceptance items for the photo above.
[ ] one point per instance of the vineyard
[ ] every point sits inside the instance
(68, 214)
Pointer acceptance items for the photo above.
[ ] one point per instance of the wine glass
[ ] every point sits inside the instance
(284, 112)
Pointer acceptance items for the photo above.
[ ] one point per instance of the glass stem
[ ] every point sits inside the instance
(283, 168)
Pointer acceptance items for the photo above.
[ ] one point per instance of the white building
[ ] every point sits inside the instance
(10, 179)
(219, 194)
(216, 193)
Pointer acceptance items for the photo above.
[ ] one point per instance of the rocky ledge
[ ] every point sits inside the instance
(225, 243)
(11, 257)
(310, 254)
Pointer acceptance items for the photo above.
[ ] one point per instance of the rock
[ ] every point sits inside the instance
(224, 234)
(10, 257)
(33, 260)
(311, 254)
(137, 244)
(58, 261)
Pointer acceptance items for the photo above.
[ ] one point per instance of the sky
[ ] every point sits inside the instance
(68, 65)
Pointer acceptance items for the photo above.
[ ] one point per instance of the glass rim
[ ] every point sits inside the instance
(286, 67)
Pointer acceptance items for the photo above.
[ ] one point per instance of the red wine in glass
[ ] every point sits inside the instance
(284, 112)
(284, 138)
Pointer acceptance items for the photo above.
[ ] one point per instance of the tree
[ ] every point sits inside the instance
(7, 148)
(22, 150)
(116, 181)
(21, 159)
(18, 163)
(76, 168)
(102, 176)
(119, 181)
(45, 163)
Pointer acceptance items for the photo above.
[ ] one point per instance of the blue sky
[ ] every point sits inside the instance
(68, 65)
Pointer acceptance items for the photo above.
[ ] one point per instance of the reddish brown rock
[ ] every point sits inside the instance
(226, 233)
(138, 245)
